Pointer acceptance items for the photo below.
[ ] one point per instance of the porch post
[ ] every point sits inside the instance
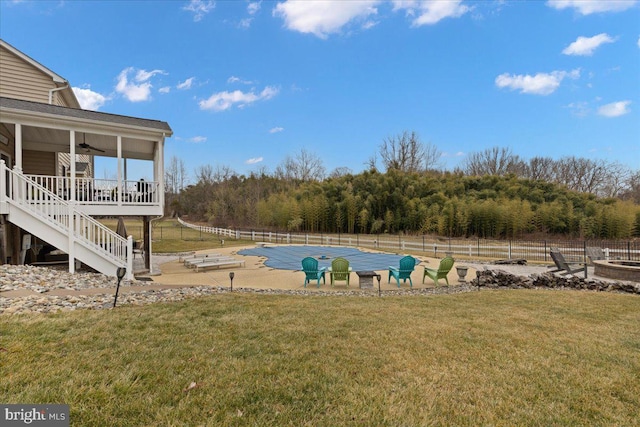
(158, 171)
(18, 142)
(146, 241)
(119, 151)
(72, 225)
(72, 165)
(3, 184)
(72, 198)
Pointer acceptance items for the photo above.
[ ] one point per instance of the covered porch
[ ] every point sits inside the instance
(57, 148)
(41, 131)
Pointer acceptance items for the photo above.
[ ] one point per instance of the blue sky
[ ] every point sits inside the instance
(245, 84)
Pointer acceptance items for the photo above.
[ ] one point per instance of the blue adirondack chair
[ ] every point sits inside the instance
(406, 267)
(311, 271)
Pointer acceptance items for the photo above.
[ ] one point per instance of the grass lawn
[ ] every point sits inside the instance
(171, 237)
(499, 358)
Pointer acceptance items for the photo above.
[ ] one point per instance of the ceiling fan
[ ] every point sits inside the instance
(88, 147)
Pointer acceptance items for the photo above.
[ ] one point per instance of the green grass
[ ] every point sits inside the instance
(171, 237)
(499, 358)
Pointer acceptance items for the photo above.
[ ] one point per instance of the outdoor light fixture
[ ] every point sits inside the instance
(378, 278)
(231, 275)
(120, 273)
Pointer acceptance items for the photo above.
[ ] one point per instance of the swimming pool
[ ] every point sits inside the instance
(290, 257)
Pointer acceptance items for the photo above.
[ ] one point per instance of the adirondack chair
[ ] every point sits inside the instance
(339, 270)
(312, 272)
(564, 267)
(403, 271)
(441, 273)
(595, 253)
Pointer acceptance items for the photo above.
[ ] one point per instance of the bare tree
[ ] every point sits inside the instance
(493, 161)
(340, 171)
(632, 191)
(616, 180)
(540, 169)
(372, 163)
(403, 152)
(175, 175)
(432, 157)
(304, 166)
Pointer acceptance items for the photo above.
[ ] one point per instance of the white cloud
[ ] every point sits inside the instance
(253, 7)
(165, 89)
(197, 139)
(587, 7)
(429, 12)
(234, 79)
(615, 109)
(222, 101)
(584, 46)
(245, 23)
(132, 91)
(540, 84)
(186, 84)
(144, 75)
(579, 109)
(199, 8)
(638, 41)
(276, 129)
(88, 99)
(323, 17)
(253, 160)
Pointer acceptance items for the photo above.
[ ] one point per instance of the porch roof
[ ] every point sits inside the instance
(46, 128)
(56, 110)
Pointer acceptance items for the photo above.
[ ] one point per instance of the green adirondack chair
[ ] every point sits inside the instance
(339, 270)
(312, 272)
(406, 267)
(441, 273)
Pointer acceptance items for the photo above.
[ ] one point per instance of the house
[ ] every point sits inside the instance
(48, 189)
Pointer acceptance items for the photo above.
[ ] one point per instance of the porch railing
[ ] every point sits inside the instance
(55, 211)
(101, 191)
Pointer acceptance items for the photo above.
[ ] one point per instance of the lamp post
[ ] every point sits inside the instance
(120, 272)
(378, 278)
(231, 275)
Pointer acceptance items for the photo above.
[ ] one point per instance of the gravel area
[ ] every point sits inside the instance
(46, 290)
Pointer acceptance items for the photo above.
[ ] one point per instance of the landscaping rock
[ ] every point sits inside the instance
(501, 279)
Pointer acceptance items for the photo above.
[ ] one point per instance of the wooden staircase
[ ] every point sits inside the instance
(42, 213)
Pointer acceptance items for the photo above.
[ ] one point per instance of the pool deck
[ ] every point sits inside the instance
(258, 276)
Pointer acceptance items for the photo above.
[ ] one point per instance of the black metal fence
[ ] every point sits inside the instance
(437, 247)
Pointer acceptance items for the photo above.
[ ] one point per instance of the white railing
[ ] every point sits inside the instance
(58, 213)
(101, 191)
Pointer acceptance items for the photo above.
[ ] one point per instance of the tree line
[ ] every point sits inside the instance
(494, 194)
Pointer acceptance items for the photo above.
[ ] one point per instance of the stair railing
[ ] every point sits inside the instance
(62, 215)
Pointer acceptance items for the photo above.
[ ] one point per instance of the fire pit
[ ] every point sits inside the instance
(618, 269)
